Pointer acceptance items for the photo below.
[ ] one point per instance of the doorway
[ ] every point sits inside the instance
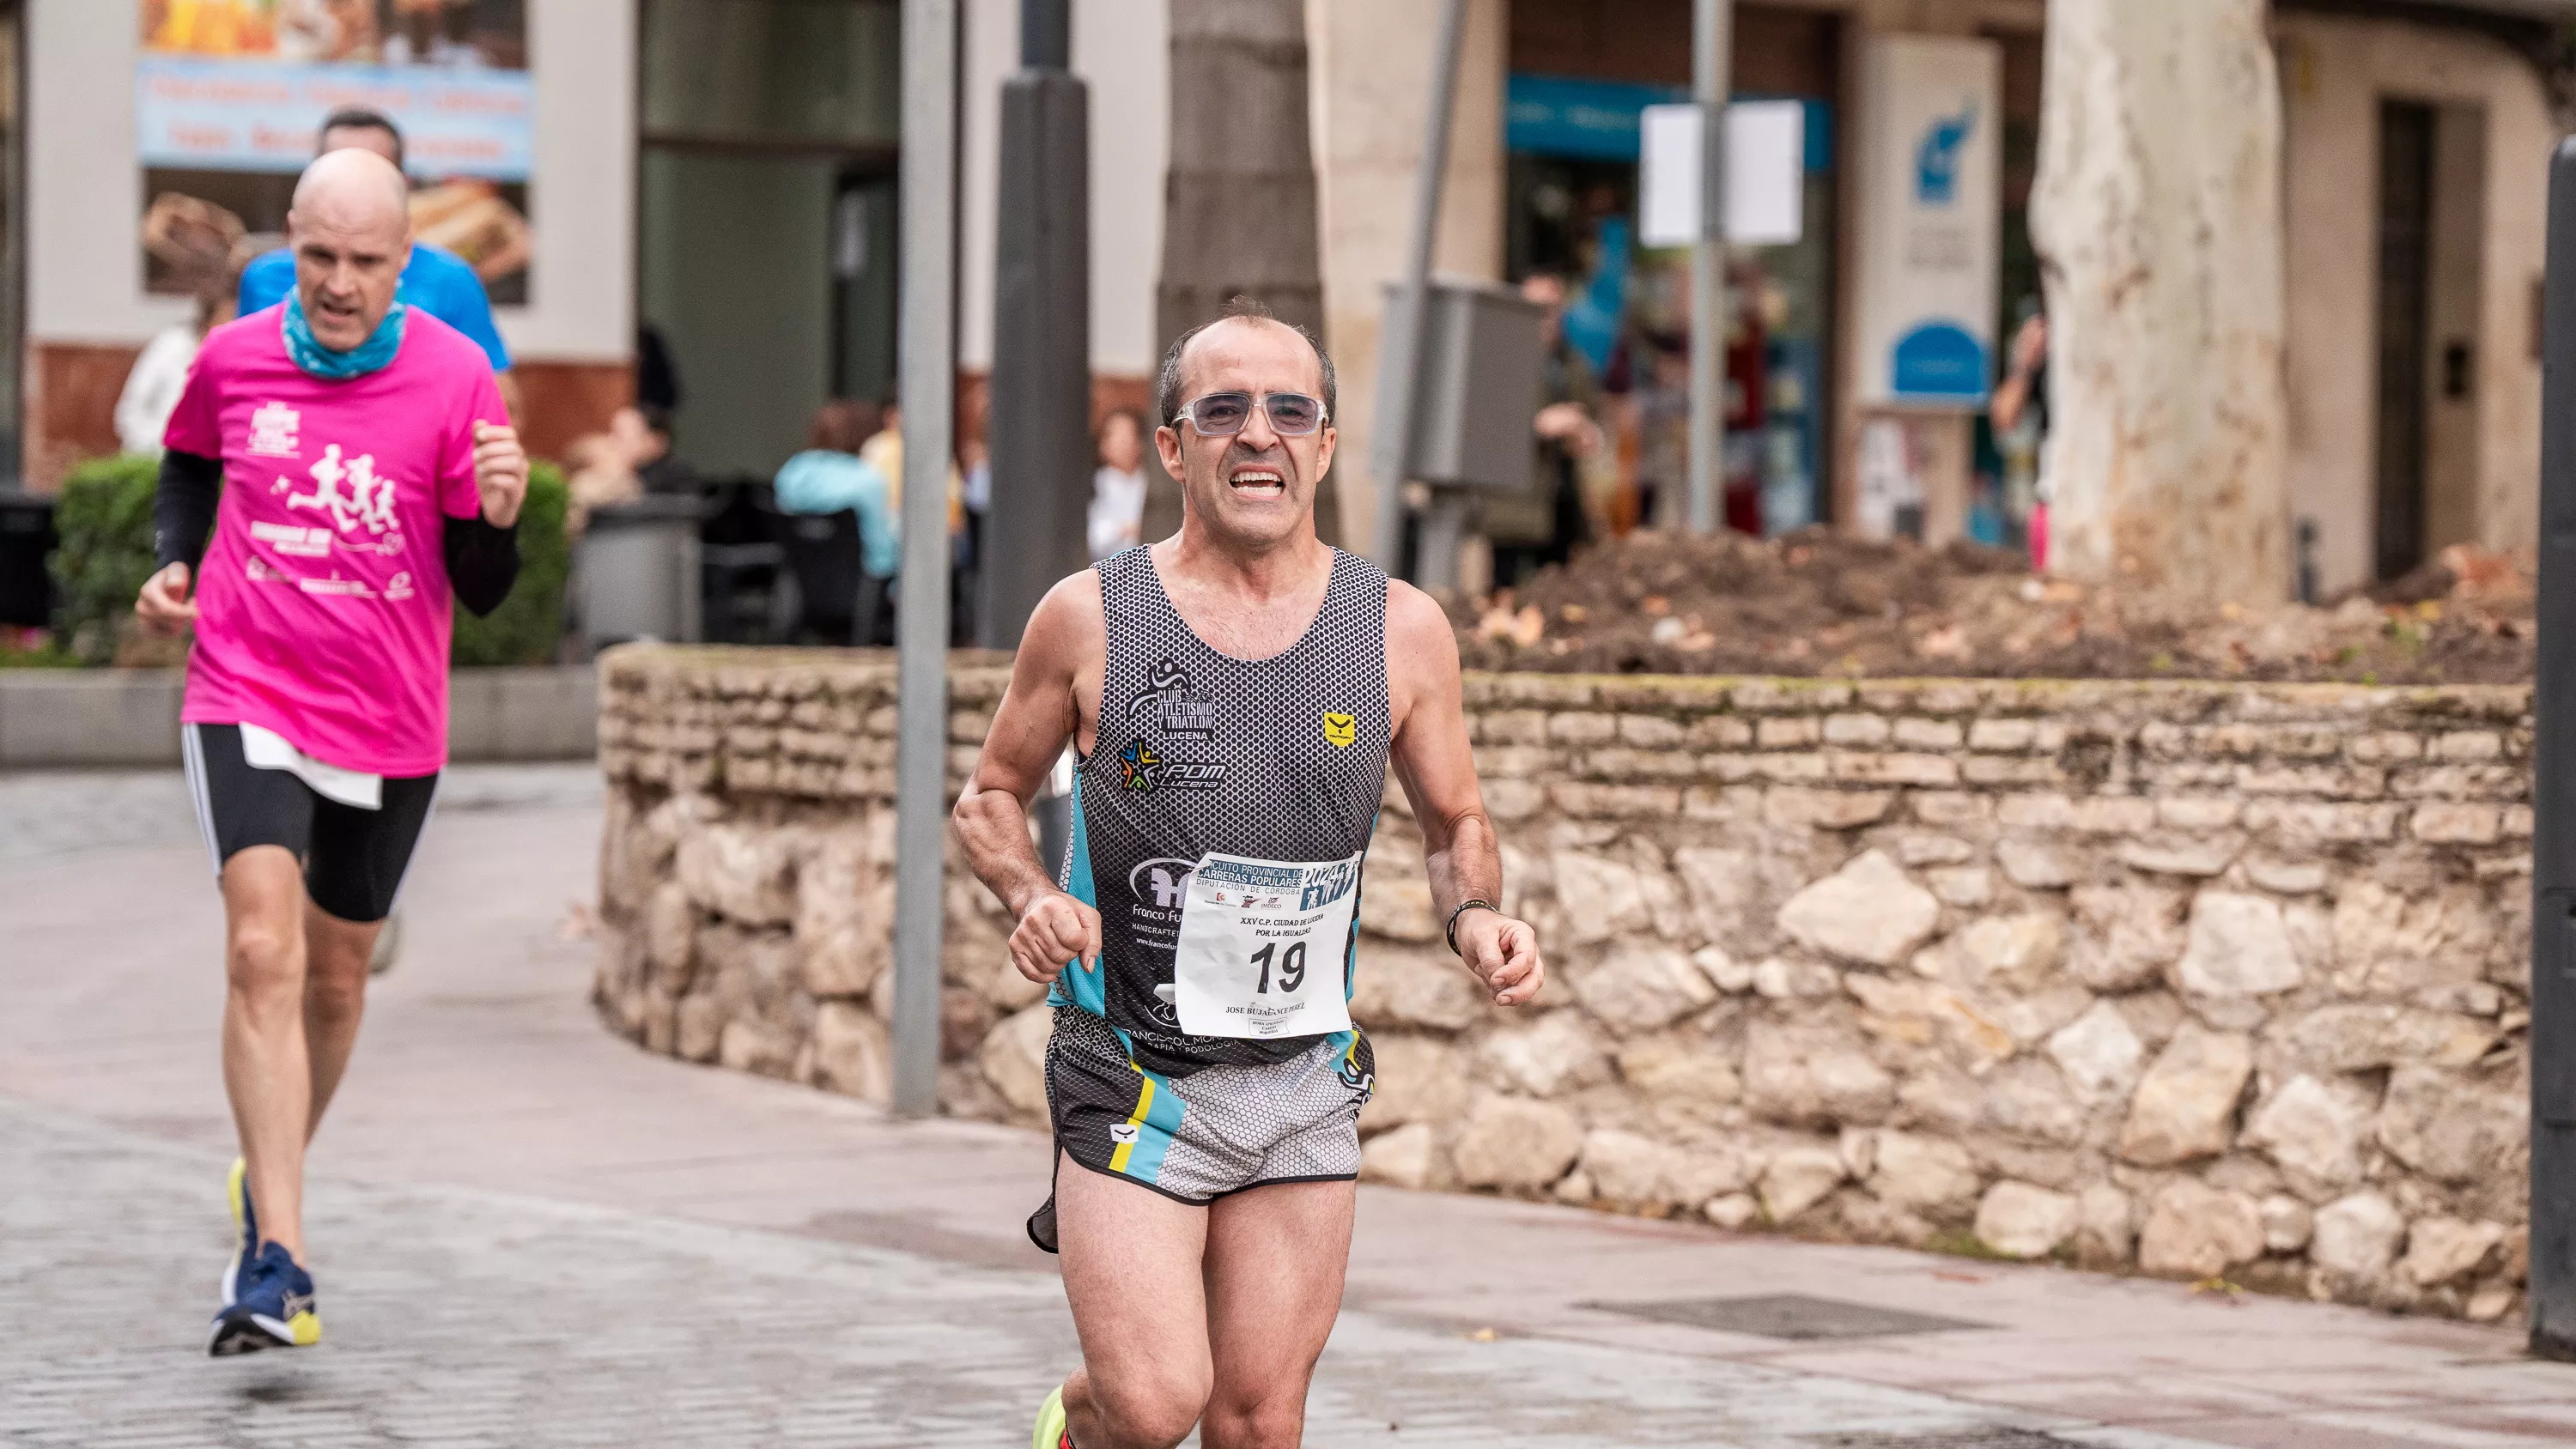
(2405, 294)
(766, 234)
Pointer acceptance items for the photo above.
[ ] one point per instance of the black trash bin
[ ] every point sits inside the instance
(26, 542)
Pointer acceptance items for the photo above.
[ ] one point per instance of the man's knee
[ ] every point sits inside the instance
(336, 986)
(264, 959)
(1154, 1411)
(1271, 1418)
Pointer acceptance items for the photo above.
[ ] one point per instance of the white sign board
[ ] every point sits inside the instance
(1766, 172)
(1930, 219)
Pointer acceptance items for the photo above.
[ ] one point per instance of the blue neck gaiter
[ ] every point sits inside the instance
(316, 360)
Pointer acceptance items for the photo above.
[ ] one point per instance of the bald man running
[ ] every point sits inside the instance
(1237, 693)
(354, 463)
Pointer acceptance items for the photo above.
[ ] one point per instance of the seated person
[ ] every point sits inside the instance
(830, 476)
(629, 460)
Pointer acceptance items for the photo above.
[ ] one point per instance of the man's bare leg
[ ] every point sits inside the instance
(1276, 1257)
(267, 1070)
(337, 955)
(295, 989)
(1132, 1273)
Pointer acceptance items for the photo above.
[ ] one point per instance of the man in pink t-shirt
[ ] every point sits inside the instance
(354, 462)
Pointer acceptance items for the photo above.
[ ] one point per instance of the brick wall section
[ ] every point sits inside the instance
(2190, 978)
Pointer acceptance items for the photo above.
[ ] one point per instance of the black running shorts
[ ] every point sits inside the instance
(354, 859)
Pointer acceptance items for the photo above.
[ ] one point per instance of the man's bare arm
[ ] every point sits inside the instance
(1039, 713)
(1437, 768)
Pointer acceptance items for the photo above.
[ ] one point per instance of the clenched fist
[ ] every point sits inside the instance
(164, 606)
(1504, 955)
(500, 472)
(1055, 929)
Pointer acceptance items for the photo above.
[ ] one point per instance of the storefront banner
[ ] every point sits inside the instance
(238, 115)
(229, 98)
(1929, 223)
(1765, 174)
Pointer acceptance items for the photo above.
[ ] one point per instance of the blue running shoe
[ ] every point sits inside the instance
(274, 1309)
(246, 1219)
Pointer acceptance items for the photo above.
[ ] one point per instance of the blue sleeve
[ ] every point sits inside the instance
(267, 280)
(444, 284)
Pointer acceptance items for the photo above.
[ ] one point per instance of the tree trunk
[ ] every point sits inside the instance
(2157, 218)
(1239, 214)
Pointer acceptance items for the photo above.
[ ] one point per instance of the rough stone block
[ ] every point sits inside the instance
(1786, 732)
(2357, 1236)
(1643, 988)
(1651, 732)
(1512, 1142)
(1720, 732)
(1796, 805)
(1797, 1180)
(2197, 1231)
(1406, 1157)
(1951, 808)
(1615, 802)
(2181, 855)
(1855, 729)
(2185, 1107)
(1893, 769)
(2453, 1129)
(2468, 747)
(2457, 823)
(853, 1054)
(2022, 1220)
(1419, 1079)
(2314, 1129)
(1582, 729)
(1916, 733)
(1428, 989)
(1868, 912)
(2003, 736)
(2238, 946)
(1559, 1053)
(1813, 1075)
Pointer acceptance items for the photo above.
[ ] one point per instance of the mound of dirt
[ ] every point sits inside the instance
(1818, 603)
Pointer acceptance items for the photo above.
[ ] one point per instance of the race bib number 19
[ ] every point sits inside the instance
(1261, 949)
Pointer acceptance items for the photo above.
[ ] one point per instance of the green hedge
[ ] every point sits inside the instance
(529, 624)
(104, 520)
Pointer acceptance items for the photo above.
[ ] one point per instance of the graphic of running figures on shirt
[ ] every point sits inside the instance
(367, 502)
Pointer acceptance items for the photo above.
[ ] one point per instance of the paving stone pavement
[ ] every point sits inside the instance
(531, 1233)
(457, 1317)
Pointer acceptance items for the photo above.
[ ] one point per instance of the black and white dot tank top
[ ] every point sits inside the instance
(1280, 759)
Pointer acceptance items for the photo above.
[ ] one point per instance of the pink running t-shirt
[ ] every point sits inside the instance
(322, 602)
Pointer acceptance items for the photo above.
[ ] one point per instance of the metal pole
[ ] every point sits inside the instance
(929, 392)
(2553, 800)
(1711, 50)
(1399, 360)
(1039, 424)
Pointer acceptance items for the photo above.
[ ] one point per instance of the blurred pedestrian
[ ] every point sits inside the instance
(196, 241)
(434, 279)
(1565, 428)
(831, 477)
(1118, 487)
(2019, 417)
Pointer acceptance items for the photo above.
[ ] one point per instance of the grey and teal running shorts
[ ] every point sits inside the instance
(1217, 1130)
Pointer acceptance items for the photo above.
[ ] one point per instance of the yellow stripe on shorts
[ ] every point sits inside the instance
(1144, 1104)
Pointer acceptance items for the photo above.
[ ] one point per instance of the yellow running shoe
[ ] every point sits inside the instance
(246, 1219)
(1050, 1432)
(275, 1309)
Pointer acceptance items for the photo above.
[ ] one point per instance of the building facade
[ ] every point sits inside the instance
(720, 175)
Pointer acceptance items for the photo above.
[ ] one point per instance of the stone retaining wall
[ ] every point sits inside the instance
(2198, 979)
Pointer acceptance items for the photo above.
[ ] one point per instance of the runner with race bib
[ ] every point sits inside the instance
(1237, 694)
